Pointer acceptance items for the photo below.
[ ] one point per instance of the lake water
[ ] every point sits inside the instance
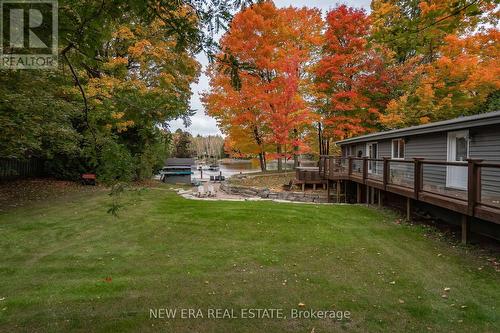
(237, 167)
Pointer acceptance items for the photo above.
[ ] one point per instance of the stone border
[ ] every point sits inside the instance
(265, 193)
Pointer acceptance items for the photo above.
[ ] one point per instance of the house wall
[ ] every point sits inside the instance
(431, 146)
(485, 144)
(179, 179)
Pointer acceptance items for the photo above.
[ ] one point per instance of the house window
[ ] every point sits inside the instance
(398, 149)
(461, 149)
(353, 150)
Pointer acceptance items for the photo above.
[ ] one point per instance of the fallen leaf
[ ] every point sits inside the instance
(301, 305)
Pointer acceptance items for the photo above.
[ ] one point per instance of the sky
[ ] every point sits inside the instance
(205, 125)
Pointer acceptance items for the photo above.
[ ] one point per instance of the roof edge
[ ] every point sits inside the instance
(481, 119)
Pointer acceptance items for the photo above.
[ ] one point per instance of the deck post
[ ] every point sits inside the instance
(465, 229)
(329, 161)
(320, 166)
(379, 198)
(358, 193)
(345, 191)
(338, 191)
(385, 172)
(328, 191)
(408, 209)
(365, 169)
(417, 176)
(473, 184)
(349, 166)
(367, 194)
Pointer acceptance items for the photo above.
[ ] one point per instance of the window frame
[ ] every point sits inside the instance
(398, 140)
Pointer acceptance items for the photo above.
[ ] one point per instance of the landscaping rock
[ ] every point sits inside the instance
(266, 193)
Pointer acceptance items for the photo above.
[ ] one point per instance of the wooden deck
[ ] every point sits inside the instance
(409, 182)
(308, 176)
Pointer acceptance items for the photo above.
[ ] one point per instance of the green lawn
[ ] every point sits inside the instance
(66, 265)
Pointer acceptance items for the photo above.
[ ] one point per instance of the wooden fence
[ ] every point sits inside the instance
(14, 168)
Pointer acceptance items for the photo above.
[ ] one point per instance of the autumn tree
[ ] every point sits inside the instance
(125, 71)
(417, 27)
(464, 80)
(352, 81)
(238, 113)
(450, 48)
(273, 47)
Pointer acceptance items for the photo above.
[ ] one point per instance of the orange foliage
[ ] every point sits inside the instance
(269, 109)
(458, 82)
(352, 79)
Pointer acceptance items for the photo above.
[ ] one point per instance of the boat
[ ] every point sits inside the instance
(213, 167)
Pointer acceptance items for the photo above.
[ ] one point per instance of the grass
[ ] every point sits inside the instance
(66, 265)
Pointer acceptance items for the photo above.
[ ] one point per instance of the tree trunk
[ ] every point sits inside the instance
(262, 153)
(278, 151)
(262, 161)
(320, 140)
(295, 151)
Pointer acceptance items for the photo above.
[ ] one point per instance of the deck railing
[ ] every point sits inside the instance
(426, 180)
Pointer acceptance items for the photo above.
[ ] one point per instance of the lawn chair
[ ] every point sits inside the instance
(88, 179)
(201, 191)
(211, 190)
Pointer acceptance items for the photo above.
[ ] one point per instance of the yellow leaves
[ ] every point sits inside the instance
(395, 113)
(115, 62)
(121, 126)
(123, 32)
(384, 9)
(138, 48)
(382, 12)
(124, 125)
(101, 87)
(391, 120)
(426, 8)
(167, 78)
(117, 115)
(425, 120)
(119, 61)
